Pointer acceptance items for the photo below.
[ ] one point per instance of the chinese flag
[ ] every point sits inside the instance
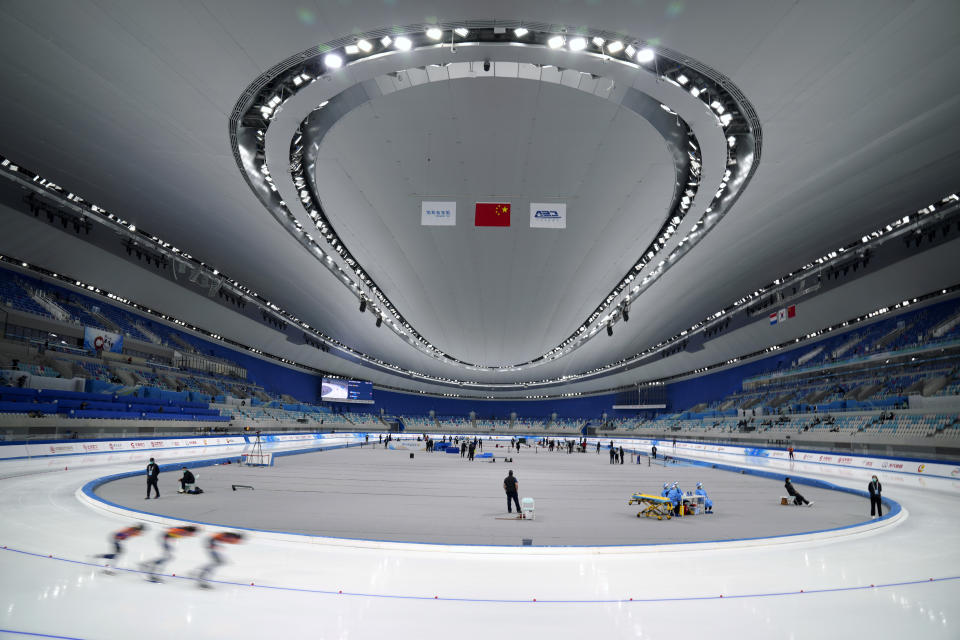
(492, 214)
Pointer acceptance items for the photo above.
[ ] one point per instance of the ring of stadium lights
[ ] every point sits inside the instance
(930, 216)
(260, 103)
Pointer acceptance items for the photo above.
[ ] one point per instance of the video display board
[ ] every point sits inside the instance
(338, 390)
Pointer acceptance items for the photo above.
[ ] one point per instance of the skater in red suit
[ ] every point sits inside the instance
(213, 548)
(116, 539)
(152, 567)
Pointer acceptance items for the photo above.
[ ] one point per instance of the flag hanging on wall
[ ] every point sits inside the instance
(783, 315)
(492, 214)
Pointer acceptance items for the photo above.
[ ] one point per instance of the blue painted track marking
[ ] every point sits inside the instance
(329, 592)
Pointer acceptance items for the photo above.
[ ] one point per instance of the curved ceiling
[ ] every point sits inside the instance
(471, 289)
(126, 104)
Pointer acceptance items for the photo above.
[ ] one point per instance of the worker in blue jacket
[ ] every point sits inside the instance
(666, 490)
(676, 497)
(707, 502)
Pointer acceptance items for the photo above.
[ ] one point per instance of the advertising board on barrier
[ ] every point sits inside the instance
(106, 446)
(926, 468)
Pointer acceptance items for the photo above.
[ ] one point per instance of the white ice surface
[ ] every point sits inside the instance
(389, 592)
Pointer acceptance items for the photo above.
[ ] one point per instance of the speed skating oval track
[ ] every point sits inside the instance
(898, 577)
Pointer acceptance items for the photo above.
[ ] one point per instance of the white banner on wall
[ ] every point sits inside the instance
(548, 215)
(438, 214)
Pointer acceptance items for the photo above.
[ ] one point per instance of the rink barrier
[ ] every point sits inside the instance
(895, 514)
(56, 448)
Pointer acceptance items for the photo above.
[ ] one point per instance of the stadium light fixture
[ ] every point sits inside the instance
(520, 32)
(386, 41)
(555, 42)
(695, 92)
(578, 44)
(333, 61)
(364, 46)
(434, 33)
(645, 55)
(598, 42)
(682, 79)
(351, 49)
(403, 44)
(461, 31)
(630, 50)
(615, 47)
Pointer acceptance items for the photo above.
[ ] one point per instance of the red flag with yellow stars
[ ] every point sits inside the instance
(492, 214)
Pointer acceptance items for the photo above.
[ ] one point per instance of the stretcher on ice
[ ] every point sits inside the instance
(653, 506)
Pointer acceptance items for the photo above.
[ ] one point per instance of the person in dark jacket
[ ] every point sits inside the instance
(797, 498)
(186, 480)
(874, 488)
(153, 474)
(620, 453)
(511, 486)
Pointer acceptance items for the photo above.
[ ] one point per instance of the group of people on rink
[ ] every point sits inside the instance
(187, 480)
(674, 494)
(167, 539)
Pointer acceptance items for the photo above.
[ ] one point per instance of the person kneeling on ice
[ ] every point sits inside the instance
(676, 497)
(707, 502)
(187, 481)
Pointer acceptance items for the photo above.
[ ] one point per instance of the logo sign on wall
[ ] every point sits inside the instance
(100, 340)
(438, 214)
(548, 215)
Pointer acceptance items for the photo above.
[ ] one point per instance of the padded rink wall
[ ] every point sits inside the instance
(116, 450)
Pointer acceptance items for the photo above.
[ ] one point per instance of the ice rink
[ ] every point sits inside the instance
(895, 577)
(580, 499)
